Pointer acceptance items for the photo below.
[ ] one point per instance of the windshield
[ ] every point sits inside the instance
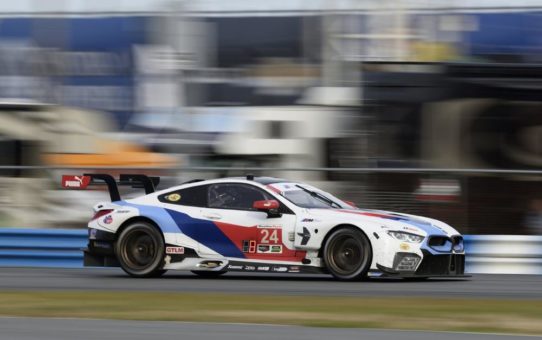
(305, 196)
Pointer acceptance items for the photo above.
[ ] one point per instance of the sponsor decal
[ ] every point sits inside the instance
(269, 248)
(404, 246)
(122, 211)
(173, 197)
(280, 269)
(294, 269)
(263, 269)
(175, 250)
(276, 249)
(232, 267)
(307, 220)
(75, 182)
(305, 236)
(269, 226)
(250, 268)
(263, 248)
(108, 219)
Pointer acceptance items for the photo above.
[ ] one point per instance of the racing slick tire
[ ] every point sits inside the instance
(208, 274)
(348, 254)
(140, 250)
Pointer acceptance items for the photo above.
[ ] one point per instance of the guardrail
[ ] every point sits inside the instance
(504, 254)
(62, 248)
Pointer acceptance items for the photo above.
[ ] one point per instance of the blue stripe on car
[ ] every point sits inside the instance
(157, 214)
(206, 233)
(202, 231)
(429, 228)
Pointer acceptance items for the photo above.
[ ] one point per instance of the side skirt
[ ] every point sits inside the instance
(258, 267)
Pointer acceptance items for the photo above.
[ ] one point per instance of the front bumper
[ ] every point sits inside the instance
(447, 265)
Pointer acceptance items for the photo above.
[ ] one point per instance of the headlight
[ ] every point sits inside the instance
(406, 237)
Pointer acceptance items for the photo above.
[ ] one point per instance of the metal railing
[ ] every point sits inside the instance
(489, 201)
(504, 254)
(62, 248)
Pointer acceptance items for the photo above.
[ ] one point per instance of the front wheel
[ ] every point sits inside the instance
(140, 250)
(348, 254)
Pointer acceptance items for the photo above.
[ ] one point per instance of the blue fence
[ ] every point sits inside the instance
(504, 254)
(62, 248)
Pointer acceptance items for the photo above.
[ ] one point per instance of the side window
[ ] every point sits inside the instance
(193, 196)
(235, 196)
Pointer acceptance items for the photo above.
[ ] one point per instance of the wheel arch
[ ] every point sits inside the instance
(342, 226)
(133, 219)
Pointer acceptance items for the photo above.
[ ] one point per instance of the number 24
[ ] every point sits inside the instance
(270, 235)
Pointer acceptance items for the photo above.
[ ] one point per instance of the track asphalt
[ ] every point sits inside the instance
(85, 329)
(479, 286)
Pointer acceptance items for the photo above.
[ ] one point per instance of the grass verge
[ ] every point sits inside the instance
(478, 315)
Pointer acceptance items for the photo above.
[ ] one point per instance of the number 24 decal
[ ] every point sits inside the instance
(269, 235)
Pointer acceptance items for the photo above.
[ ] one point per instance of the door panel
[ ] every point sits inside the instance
(256, 235)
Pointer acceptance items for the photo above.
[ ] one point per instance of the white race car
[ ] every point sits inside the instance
(261, 225)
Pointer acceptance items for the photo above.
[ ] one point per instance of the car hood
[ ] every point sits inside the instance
(387, 219)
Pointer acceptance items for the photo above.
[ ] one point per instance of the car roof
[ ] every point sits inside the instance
(262, 180)
(247, 179)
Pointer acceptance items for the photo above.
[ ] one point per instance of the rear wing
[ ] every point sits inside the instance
(133, 180)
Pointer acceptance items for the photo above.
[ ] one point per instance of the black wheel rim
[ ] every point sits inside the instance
(140, 250)
(347, 255)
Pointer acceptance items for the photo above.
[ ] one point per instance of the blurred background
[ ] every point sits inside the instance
(423, 107)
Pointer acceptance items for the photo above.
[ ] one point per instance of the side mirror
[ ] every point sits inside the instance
(269, 206)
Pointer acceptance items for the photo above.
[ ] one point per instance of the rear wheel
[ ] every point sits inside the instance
(140, 250)
(348, 254)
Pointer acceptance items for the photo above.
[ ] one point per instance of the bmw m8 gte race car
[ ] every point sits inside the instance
(260, 225)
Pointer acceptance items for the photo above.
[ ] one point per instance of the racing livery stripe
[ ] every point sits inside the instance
(274, 189)
(226, 239)
(202, 231)
(425, 226)
(207, 233)
(157, 214)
